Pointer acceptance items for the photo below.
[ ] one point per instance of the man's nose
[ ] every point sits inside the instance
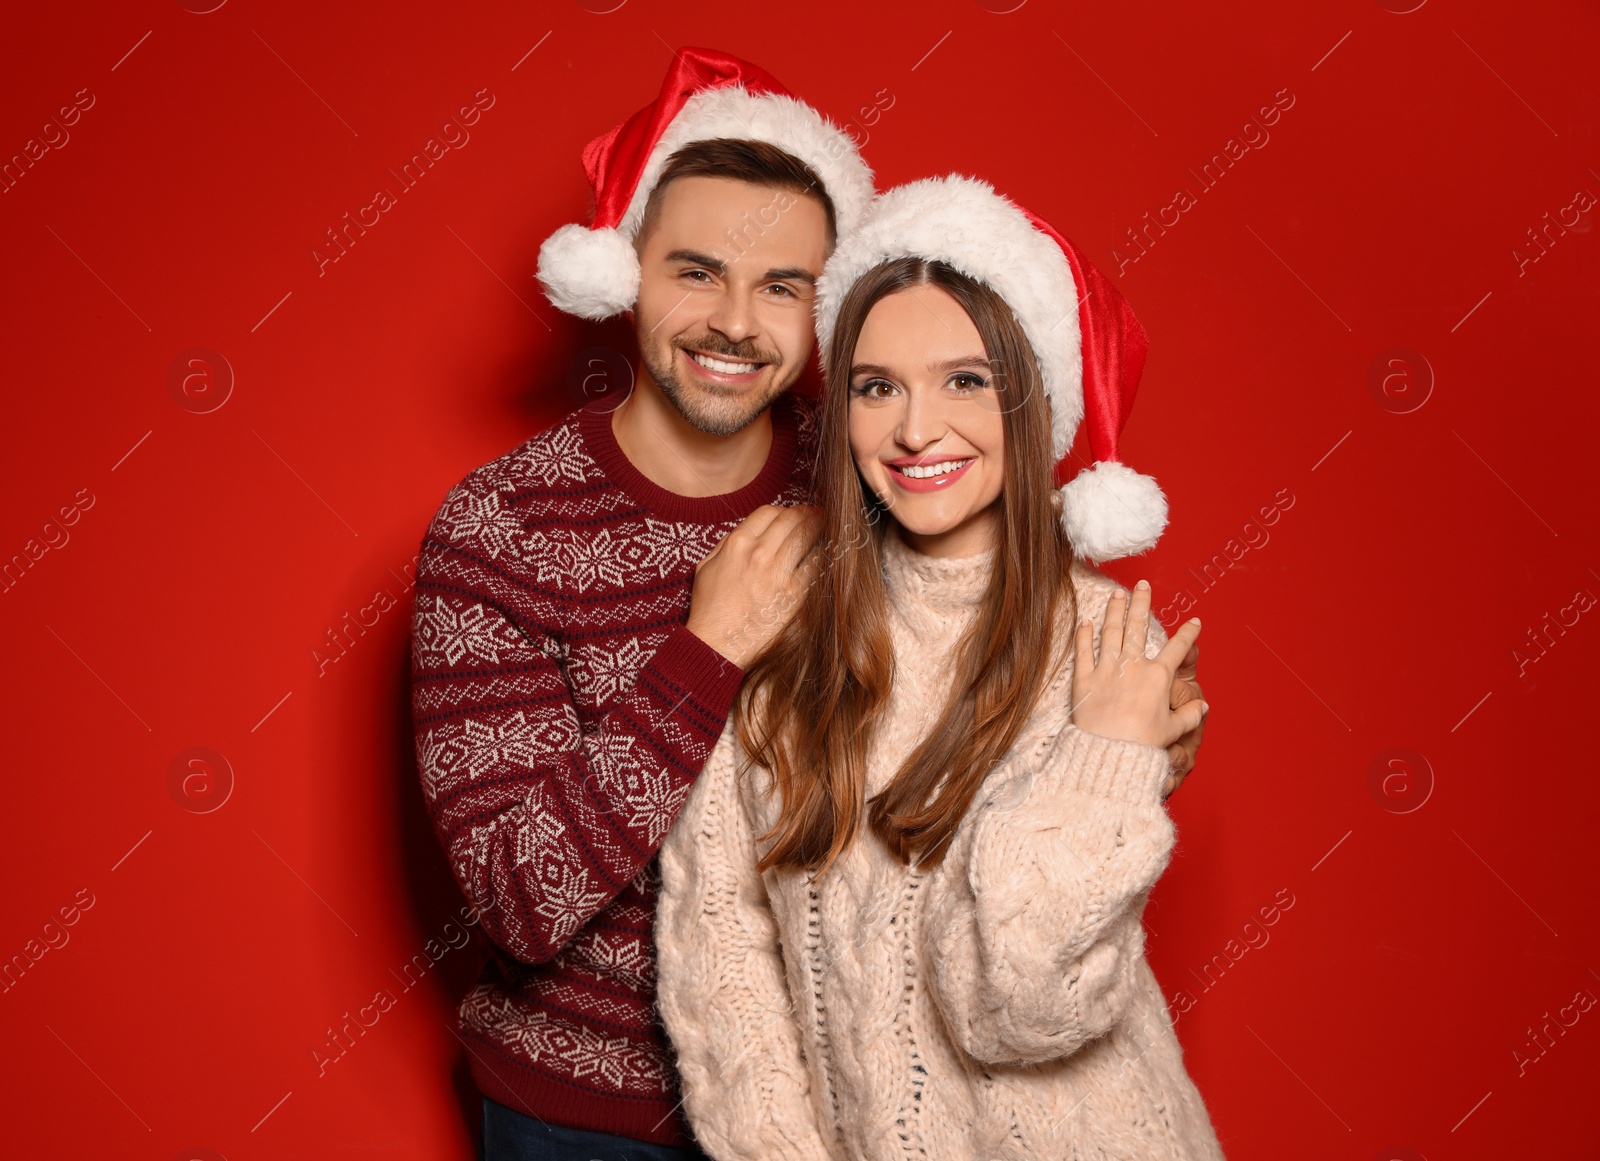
(734, 317)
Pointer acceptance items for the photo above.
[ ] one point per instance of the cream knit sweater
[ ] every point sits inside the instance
(997, 1007)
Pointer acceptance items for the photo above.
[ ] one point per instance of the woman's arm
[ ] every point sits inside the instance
(1033, 934)
(722, 991)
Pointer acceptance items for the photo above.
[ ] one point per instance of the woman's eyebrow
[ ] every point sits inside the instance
(943, 366)
(954, 364)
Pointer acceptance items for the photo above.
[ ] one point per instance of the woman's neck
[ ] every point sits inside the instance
(976, 534)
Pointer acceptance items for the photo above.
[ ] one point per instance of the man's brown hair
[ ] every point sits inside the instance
(754, 162)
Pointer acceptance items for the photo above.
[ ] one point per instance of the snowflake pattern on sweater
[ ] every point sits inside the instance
(562, 713)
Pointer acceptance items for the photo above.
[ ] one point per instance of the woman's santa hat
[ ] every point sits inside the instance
(1090, 347)
(592, 271)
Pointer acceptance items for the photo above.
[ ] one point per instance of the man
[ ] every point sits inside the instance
(585, 603)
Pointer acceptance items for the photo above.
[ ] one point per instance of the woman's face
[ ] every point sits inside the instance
(925, 421)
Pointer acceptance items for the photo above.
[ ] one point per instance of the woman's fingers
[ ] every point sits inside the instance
(1188, 716)
(1111, 633)
(1137, 635)
(1083, 656)
(1178, 646)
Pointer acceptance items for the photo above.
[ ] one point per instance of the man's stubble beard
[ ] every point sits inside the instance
(705, 410)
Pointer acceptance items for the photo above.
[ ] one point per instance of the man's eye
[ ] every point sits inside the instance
(697, 275)
(781, 290)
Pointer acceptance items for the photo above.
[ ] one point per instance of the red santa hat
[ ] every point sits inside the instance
(592, 271)
(1089, 346)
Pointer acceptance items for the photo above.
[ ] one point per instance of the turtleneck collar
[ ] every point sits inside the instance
(947, 583)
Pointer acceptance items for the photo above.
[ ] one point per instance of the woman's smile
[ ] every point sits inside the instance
(927, 473)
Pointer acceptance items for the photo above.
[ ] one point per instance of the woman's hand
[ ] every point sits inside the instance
(1127, 695)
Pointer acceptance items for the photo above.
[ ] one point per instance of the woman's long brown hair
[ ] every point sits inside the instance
(810, 703)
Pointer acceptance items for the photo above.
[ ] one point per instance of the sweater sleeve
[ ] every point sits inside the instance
(544, 823)
(723, 994)
(1033, 933)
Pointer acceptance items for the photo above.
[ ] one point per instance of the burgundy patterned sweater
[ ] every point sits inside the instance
(562, 713)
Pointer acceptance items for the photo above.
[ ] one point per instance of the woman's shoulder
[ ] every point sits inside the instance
(1088, 580)
(1093, 590)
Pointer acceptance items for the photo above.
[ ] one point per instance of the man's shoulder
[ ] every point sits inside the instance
(550, 472)
(807, 415)
(807, 418)
(554, 459)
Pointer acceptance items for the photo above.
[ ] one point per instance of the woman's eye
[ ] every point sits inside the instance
(966, 382)
(875, 389)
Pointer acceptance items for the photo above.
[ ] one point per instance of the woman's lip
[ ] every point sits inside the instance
(931, 483)
(717, 376)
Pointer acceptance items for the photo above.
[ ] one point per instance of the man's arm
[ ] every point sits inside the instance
(543, 824)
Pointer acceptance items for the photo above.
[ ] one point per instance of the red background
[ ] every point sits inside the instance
(1382, 609)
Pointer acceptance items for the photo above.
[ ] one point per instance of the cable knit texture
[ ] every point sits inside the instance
(996, 1007)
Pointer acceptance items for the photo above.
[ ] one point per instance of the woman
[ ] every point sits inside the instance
(900, 912)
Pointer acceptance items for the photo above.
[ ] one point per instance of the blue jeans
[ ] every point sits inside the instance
(510, 1136)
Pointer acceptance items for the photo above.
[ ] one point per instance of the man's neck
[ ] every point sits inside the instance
(673, 454)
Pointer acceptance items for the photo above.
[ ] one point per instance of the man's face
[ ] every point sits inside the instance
(728, 271)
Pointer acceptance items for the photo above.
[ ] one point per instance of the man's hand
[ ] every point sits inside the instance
(1182, 753)
(748, 585)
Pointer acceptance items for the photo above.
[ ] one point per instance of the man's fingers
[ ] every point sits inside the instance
(799, 533)
(806, 572)
(1184, 751)
(758, 521)
(1181, 692)
(715, 548)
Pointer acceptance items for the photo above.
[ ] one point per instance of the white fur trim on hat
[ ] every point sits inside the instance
(1111, 511)
(589, 273)
(962, 221)
(599, 276)
(790, 124)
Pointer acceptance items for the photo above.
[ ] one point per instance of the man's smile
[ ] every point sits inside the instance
(724, 368)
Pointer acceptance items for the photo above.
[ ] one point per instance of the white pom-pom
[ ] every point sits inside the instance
(589, 273)
(1111, 511)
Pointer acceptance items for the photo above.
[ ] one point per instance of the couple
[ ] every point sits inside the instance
(842, 666)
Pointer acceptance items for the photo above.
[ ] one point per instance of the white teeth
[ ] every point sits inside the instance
(927, 471)
(720, 366)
